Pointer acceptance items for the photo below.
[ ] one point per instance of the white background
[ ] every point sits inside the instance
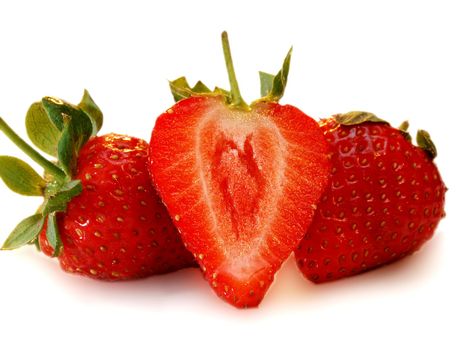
(398, 59)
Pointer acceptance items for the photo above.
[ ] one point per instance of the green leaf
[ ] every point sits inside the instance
(36, 243)
(41, 131)
(60, 112)
(76, 127)
(273, 87)
(224, 93)
(53, 234)
(66, 153)
(280, 80)
(266, 81)
(54, 107)
(357, 117)
(88, 105)
(26, 231)
(424, 142)
(200, 88)
(20, 177)
(59, 201)
(50, 168)
(180, 89)
(403, 128)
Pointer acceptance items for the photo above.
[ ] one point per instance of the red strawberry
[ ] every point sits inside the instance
(231, 176)
(384, 199)
(107, 222)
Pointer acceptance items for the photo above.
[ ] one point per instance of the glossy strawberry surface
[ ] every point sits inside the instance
(384, 200)
(117, 228)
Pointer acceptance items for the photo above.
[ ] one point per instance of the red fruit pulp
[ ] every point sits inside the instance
(233, 183)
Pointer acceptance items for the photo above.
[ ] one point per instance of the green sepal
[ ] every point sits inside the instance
(36, 243)
(41, 131)
(224, 93)
(425, 143)
(200, 88)
(181, 89)
(403, 128)
(25, 232)
(357, 117)
(20, 177)
(273, 86)
(76, 127)
(54, 108)
(53, 234)
(88, 105)
(60, 112)
(67, 156)
(59, 201)
(47, 165)
(266, 82)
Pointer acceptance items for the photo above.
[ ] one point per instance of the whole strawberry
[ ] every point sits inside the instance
(384, 199)
(100, 215)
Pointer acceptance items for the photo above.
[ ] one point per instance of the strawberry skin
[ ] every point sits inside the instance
(233, 183)
(384, 200)
(100, 214)
(117, 228)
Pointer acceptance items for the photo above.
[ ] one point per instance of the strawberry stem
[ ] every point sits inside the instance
(31, 152)
(237, 100)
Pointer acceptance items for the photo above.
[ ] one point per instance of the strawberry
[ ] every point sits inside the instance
(384, 200)
(100, 215)
(231, 175)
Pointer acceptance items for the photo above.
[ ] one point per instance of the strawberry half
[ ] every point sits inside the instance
(384, 200)
(101, 215)
(232, 177)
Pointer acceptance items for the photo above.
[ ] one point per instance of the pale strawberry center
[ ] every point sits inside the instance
(241, 164)
(238, 179)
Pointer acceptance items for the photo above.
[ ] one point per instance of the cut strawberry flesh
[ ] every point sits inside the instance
(237, 166)
(240, 185)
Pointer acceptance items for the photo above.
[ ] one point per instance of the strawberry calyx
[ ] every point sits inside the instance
(358, 117)
(59, 129)
(425, 142)
(403, 128)
(181, 89)
(272, 86)
(423, 138)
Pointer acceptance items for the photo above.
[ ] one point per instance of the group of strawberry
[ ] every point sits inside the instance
(230, 187)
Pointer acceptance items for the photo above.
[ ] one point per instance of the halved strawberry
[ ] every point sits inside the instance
(241, 182)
